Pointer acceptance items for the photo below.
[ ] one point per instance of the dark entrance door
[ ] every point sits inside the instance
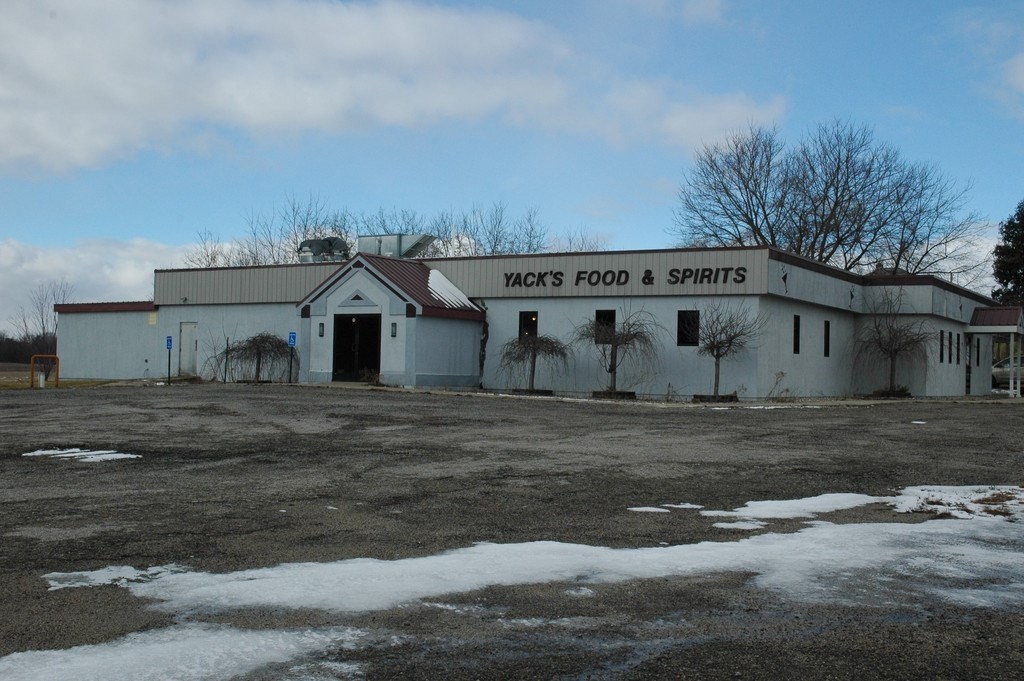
(356, 346)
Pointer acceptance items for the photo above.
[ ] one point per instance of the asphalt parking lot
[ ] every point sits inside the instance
(473, 536)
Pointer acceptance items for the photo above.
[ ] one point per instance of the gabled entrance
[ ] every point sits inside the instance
(356, 346)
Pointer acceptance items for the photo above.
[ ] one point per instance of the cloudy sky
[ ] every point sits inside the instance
(127, 127)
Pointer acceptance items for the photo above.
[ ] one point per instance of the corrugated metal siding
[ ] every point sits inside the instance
(641, 273)
(221, 286)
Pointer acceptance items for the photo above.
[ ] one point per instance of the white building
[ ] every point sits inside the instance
(443, 322)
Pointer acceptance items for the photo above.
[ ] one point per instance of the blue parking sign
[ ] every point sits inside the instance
(291, 339)
(170, 342)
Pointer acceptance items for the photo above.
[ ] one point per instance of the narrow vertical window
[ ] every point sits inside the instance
(688, 327)
(796, 334)
(528, 323)
(828, 337)
(958, 348)
(942, 346)
(949, 346)
(977, 352)
(604, 326)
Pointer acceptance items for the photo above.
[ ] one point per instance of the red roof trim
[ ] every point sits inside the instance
(132, 306)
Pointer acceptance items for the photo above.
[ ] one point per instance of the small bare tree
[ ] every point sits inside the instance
(524, 351)
(255, 356)
(632, 338)
(724, 331)
(890, 335)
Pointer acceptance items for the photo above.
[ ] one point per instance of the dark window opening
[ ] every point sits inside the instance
(828, 337)
(796, 334)
(949, 346)
(528, 323)
(604, 326)
(977, 352)
(942, 347)
(688, 327)
(958, 348)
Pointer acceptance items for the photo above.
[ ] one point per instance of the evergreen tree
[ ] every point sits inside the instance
(1008, 267)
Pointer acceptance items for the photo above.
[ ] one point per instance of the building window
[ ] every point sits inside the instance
(977, 352)
(828, 337)
(949, 346)
(958, 348)
(942, 346)
(604, 326)
(796, 334)
(528, 323)
(688, 327)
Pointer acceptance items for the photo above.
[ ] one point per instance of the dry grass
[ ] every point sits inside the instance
(997, 498)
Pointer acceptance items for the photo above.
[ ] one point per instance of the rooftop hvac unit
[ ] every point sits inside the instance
(395, 245)
(331, 249)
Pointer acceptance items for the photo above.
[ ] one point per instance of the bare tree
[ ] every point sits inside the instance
(577, 241)
(274, 238)
(931, 232)
(890, 335)
(736, 194)
(524, 351)
(632, 338)
(838, 197)
(723, 331)
(36, 321)
(209, 251)
(257, 356)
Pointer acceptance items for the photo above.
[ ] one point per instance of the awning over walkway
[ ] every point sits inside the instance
(1008, 319)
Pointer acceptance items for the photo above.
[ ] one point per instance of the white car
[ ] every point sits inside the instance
(1001, 372)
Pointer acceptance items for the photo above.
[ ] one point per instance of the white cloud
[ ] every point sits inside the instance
(1014, 73)
(99, 270)
(87, 82)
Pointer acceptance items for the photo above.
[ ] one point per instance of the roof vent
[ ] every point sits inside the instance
(395, 245)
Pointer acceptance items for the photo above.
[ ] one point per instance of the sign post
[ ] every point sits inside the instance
(292, 337)
(170, 344)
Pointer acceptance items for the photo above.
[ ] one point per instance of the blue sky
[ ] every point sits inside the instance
(128, 127)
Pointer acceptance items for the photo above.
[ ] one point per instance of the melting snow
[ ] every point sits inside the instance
(742, 525)
(442, 289)
(799, 508)
(83, 454)
(648, 509)
(188, 652)
(977, 561)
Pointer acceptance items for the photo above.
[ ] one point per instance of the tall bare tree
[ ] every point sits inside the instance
(36, 321)
(723, 331)
(839, 197)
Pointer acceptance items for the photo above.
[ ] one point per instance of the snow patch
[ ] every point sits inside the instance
(798, 508)
(189, 652)
(444, 290)
(648, 509)
(87, 455)
(742, 525)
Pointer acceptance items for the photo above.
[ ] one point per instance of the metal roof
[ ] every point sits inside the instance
(1005, 319)
(414, 281)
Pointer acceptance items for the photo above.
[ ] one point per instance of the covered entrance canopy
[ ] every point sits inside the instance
(1009, 321)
